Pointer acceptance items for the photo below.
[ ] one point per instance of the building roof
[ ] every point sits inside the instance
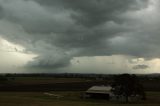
(99, 89)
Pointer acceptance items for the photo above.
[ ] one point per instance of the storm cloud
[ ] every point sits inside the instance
(59, 30)
(138, 67)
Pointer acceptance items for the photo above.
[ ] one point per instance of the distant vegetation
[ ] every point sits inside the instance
(3, 78)
(128, 85)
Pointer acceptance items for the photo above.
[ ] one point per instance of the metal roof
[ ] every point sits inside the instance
(99, 89)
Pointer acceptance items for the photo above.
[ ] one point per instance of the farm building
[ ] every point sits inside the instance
(99, 92)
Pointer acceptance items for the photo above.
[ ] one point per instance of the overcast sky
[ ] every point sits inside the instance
(80, 36)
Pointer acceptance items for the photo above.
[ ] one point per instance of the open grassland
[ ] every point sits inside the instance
(36, 91)
(48, 84)
(68, 98)
(38, 83)
(45, 80)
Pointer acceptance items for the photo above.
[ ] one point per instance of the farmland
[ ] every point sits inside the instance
(66, 91)
(67, 98)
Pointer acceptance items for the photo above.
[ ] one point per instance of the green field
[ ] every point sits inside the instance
(68, 98)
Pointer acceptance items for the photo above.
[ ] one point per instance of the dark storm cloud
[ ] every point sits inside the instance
(50, 61)
(58, 30)
(94, 12)
(138, 67)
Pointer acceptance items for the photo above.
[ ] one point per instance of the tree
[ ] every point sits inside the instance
(3, 78)
(127, 85)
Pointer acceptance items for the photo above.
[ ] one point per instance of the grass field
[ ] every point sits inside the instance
(46, 80)
(32, 91)
(68, 98)
(47, 84)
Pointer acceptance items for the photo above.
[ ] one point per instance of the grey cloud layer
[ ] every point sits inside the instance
(58, 30)
(138, 67)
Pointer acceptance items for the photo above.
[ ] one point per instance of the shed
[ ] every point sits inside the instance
(99, 92)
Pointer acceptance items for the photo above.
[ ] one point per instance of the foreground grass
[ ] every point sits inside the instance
(66, 99)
